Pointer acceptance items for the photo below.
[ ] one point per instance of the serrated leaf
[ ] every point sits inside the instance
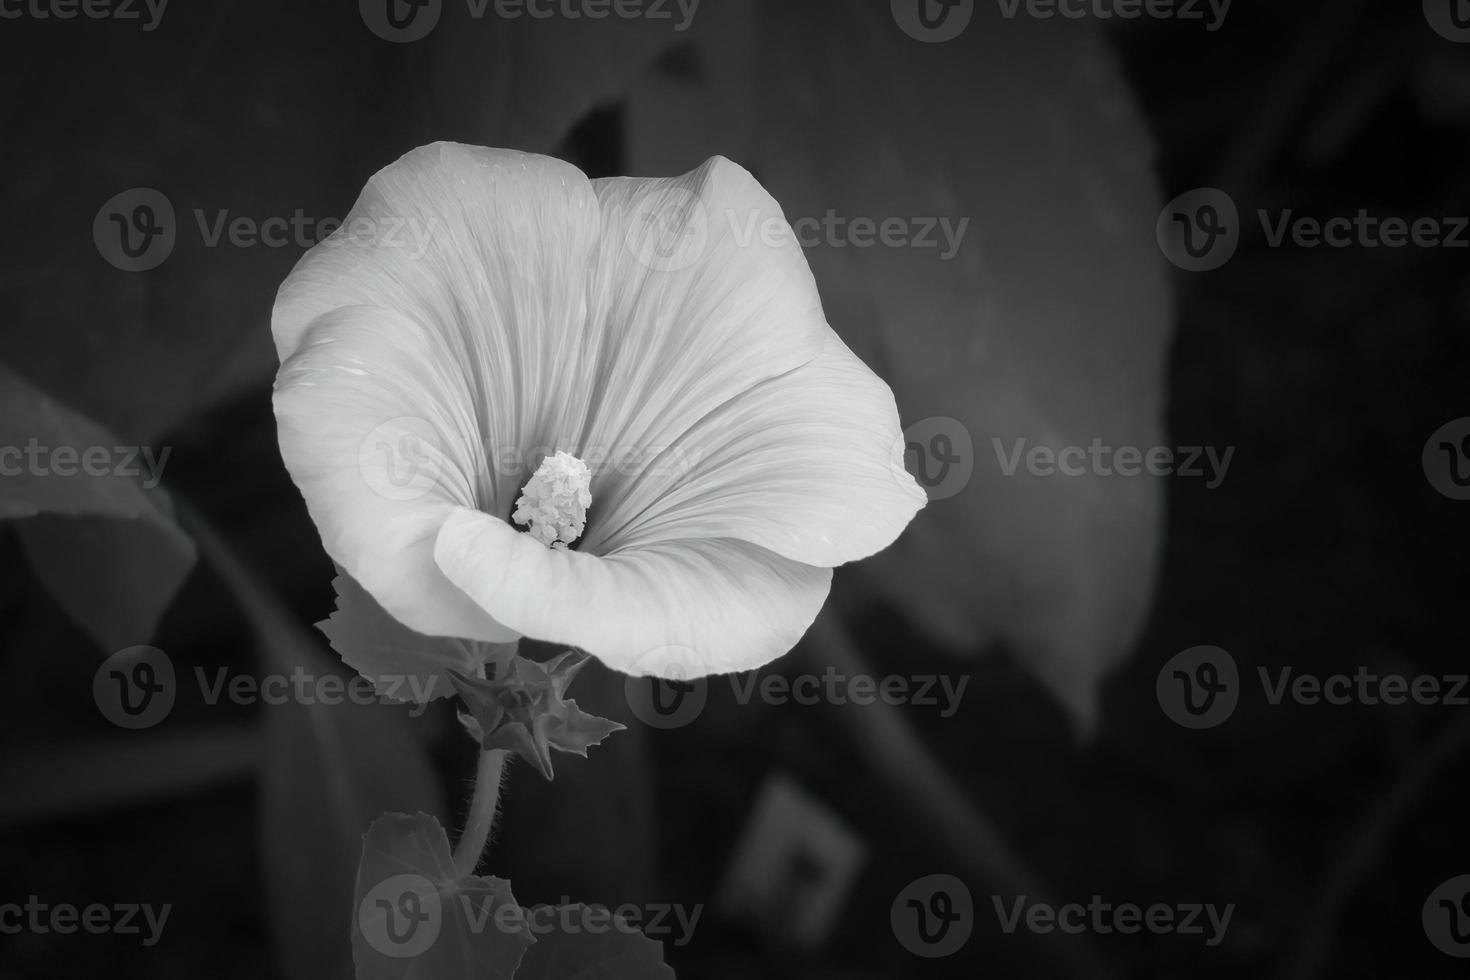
(416, 918)
(520, 708)
(402, 664)
(590, 943)
(104, 542)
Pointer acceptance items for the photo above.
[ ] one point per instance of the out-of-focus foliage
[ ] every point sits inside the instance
(1049, 323)
(234, 110)
(98, 529)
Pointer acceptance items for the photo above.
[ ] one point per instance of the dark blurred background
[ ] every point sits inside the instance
(1332, 544)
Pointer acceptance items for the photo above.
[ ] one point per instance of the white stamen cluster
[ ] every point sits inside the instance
(554, 503)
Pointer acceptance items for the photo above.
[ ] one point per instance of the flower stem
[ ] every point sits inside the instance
(481, 818)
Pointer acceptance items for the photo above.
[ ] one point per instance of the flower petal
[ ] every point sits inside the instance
(697, 298)
(808, 465)
(489, 250)
(677, 609)
(379, 432)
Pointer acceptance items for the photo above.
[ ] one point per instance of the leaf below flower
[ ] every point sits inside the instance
(416, 918)
(403, 665)
(589, 941)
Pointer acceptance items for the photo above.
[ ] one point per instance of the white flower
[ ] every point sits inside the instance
(485, 313)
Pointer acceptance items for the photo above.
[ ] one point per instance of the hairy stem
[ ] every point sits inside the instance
(481, 819)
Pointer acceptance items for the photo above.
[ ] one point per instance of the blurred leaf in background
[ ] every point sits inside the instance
(1024, 299)
(94, 523)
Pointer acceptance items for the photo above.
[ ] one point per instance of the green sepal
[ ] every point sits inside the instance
(521, 708)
